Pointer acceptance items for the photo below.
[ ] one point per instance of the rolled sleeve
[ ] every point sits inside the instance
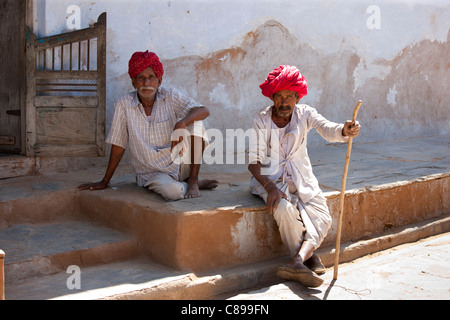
(182, 104)
(118, 134)
(330, 131)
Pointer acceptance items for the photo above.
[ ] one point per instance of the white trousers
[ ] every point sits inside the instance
(298, 221)
(169, 188)
(164, 184)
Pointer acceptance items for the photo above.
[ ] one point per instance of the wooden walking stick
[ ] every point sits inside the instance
(2, 275)
(341, 202)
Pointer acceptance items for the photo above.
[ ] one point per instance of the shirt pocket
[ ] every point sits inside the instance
(162, 120)
(161, 132)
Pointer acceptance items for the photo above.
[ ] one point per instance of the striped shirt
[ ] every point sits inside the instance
(148, 138)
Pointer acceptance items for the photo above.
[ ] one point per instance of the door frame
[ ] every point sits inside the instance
(60, 96)
(25, 9)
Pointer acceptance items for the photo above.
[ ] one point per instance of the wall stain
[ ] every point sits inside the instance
(227, 81)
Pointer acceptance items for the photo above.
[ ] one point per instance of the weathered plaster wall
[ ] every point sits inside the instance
(396, 59)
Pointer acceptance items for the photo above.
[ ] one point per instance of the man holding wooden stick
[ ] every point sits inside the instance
(287, 183)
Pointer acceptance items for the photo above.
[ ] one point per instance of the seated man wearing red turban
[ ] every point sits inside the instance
(282, 172)
(144, 121)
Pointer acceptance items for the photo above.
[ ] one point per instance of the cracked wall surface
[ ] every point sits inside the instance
(393, 55)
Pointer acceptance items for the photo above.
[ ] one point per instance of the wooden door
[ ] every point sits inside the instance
(11, 75)
(66, 93)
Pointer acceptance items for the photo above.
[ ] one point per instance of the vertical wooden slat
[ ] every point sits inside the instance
(79, 55)
(62, 58)
(45, 59)
(27, 12)
(88, 58)
(30, 64)
(101, 83)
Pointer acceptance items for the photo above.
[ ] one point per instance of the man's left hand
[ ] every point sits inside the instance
(351, 129)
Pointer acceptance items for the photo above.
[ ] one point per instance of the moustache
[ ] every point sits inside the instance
(147, 88)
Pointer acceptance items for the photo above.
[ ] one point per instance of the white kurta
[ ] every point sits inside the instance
(286, 162)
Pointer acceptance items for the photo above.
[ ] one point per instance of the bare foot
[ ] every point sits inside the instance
(207, 184)
(194, 188)
(193, 191)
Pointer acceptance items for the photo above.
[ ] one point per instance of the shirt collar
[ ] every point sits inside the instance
(292, 126)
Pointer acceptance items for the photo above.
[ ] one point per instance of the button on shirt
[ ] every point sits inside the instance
(284, 157)
(149, 138)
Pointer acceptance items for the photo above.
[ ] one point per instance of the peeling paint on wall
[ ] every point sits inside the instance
(220, 51)
(244, 236)
(416, 79)
(251, 237)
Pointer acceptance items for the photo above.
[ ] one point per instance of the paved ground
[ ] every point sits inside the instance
(417, 271)
(370, 163)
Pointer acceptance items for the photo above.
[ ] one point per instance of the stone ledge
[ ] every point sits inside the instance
(232, 227)
(190, 234)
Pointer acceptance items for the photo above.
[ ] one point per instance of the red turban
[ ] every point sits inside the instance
(285, 78)
(142, 60)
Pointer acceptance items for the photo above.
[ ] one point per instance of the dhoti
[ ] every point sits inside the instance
(169, 187)
(298, 221)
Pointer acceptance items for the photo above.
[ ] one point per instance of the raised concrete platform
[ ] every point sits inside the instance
(232, 227)
(397, 192)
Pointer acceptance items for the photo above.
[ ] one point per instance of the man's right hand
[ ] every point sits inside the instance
(274, 196)
(114, 159)
(94, 185)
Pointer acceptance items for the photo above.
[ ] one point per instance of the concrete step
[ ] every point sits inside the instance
(42, 249)
(12, 166)
(412, 271)
(96, 282)
(142, 278)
